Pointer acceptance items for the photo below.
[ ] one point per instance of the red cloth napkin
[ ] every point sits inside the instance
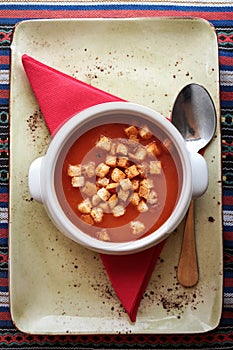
(60, 97)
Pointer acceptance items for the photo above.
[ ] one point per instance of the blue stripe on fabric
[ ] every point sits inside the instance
(227, 88)
(4, 101)
(223, 67)
(116, 6)
(4, 66)
(4, 86)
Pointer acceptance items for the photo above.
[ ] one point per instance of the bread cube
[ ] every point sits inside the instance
(122, 162)
(126, 184)
(155, 167)
(104, 206)
(147, 183)
(132, 171)
(111, 160)
(152, 198)
(133, 139)
(97, 214)
(137, 227)
(143, 169)
(103, 194)
(140, 153)
(104, 143)
(112, 202)
(135, 198)
(122, 149)
(89, 189)
(131, 131)
(153, 149)
(144, 191)
(142, 206)
(74, 170)
(103, 235)
(118, 210)
(102, 169)
(145, 133)
(135, 184)
(85, 206)
(123, 195)
(89, 169)
(102, 181)
(95, 200)
(117, 175)
(87, 219)
(77, 181)
(111, 187)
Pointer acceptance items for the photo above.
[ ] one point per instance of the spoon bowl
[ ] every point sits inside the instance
(194, 115)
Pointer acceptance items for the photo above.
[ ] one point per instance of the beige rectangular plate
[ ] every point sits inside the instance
(56, 286)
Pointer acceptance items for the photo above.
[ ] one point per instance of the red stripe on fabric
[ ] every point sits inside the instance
(228, 282)
(227, 61)
(227, 314)
(113, 13)
(228, 236)
(3, 233)
(5, 59)
(5, 316)
(3, 283)
(227, 96)
(4, 93)
(4, 197)
(227, 200)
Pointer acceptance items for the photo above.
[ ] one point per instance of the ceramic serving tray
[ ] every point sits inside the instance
(56, 286)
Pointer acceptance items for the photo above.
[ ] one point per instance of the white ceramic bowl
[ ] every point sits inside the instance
(192, 173)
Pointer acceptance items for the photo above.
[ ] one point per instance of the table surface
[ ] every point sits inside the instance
(219, 13)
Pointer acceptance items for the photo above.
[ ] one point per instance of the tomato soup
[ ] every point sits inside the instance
(120, 181)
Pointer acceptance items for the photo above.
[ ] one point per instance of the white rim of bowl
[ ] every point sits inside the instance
(48, 191)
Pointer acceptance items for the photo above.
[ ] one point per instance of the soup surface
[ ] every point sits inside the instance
(120, 181)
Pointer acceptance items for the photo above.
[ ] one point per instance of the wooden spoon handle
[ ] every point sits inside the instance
(187, 272)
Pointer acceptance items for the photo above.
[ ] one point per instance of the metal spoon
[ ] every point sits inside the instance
(194, 115)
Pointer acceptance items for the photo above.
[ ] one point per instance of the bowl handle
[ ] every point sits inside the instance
(199, 174)
(34, 179)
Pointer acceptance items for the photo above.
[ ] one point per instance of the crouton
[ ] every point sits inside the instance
(89, 189)
(131, 131)
(102, 169)
(74, 170)
(123, 195)
(122, 162)
(155, 167)
(143, 169)
(152, 198)
(77, 181)
(147, 183)
(95, 200)
(103, 235)
(104, 143)
(104, 206)
(110, 160)
(145, 132)
(153, 149)
(112, 186)
(102, 181)
(137, 227)
(142, 206)
(132, 171)
(135, 184)
(112, 202)
(85, 206)
(103, 194)
(135, 198)
(133, 139)
(87, 219)
(122, 149)
(97, 214)
(117, 175)
(168, 145)
(126, 184)
(140, 153)
(144, 191)
(89, 169)
(118, 210)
